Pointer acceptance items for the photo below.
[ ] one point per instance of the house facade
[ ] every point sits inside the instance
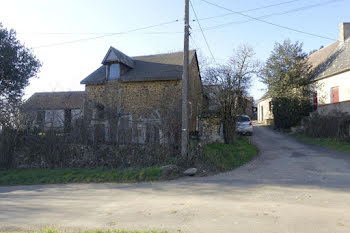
(331, 81)
(138, 99)
(264, 109)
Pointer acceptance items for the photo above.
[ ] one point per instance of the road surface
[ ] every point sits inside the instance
(289, 187)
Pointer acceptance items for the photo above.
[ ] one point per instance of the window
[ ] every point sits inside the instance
(40, 117)
(335, 95)
(114, 71)
(100, 112)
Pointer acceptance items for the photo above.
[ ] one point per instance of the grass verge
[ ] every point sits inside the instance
(60, 176)
(227, 157)
(339, 145)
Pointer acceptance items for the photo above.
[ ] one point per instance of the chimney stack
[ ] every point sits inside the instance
(344, 29)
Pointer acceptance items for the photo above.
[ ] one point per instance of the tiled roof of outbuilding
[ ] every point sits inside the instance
(55, 100)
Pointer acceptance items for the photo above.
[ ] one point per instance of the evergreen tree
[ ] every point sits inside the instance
(287, 76)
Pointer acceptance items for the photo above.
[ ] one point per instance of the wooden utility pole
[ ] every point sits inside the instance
(185, 78)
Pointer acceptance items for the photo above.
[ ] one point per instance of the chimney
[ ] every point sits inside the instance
(344, 29)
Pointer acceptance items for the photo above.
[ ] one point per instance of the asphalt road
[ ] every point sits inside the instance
(289, 187)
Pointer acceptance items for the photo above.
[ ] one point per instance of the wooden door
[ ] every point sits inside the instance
(315, 100)
(335, 94)
(262, 113)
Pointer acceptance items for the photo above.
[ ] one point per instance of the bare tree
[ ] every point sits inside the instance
(227, 87)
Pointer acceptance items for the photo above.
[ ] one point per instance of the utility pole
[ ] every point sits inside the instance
(185, 78)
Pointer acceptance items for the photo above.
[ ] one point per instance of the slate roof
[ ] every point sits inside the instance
(264, 97)
(156, 67)
(114, 55)
(55, 100)
(331, 59)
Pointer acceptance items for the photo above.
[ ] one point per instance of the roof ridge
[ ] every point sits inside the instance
(157, 54)
(324, 48)
(57, 92)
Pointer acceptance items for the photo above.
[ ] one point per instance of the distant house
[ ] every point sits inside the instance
(331, 67)
(130, 99)
(264, 109)
(57, 111)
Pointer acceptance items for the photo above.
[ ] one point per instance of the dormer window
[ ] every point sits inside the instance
(114, 71)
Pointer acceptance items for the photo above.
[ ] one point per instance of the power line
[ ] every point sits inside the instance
(112, 34)
(252, 9)
(205, 39)
(267, 22)
(272, 14)
(207, 18)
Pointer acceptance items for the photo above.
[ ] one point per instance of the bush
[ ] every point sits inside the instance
(288, 112)
(319, 126)
(8, 140)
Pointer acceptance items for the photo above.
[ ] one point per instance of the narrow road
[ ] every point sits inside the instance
(289, 187)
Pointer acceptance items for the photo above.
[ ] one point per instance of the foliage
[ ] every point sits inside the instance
(59, 176)
(227, 87)
(8, 142)
(17, 66)
(227, 157)
(336, 125)
(336, 144)
(287, 76)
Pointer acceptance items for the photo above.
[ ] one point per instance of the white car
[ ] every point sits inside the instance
(244, 125)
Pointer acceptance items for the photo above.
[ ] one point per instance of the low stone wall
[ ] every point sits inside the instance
(89, 156)
(332, 109)
(211, 130)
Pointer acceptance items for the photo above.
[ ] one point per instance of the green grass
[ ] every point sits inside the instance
(333, 143)
(97, 231)
(60, 176)
(227, 157)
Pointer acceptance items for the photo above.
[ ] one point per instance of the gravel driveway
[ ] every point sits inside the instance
(290, 187)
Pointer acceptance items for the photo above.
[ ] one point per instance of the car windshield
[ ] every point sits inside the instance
(243, 119)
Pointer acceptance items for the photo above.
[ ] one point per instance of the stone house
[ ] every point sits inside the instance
(57, 111)
(138, 99)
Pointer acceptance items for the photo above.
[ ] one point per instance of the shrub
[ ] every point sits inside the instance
(8, 140)
(288, 112)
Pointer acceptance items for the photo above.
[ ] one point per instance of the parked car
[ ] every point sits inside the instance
(244, 125)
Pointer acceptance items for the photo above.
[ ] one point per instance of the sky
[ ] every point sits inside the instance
(139, 27)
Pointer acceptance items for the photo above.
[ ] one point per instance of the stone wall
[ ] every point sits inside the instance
(67, 155)
(211, 130)
(332, 109)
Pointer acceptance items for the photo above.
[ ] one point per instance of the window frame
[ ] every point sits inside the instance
(109, 71)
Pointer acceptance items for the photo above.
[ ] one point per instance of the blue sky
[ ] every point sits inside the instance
(64, 66)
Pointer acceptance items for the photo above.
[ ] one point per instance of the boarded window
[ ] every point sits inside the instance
(67, 120)
(40, 117)
(315, 100)
(335, 95)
